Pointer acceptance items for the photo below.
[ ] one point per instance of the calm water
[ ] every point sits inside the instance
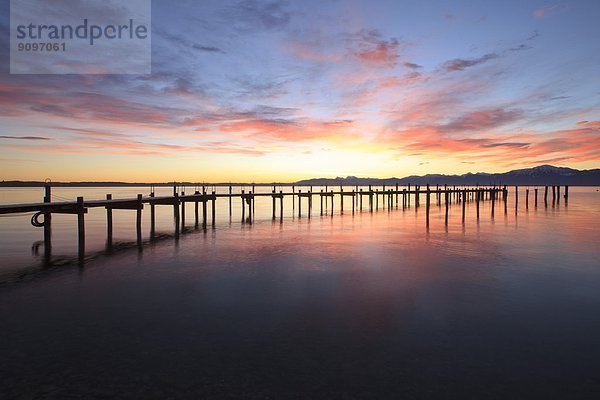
(355, 306)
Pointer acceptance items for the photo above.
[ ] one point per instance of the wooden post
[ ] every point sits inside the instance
(321, 202)
(293, 198)
(360, 200)
(243, 207)
(558, 194)
(182, 211)
(204, 211)
(427, 206)
(310, 203)
(230, 198)
(527, 199)
(109, 222)
(464, 204)
(152, 215)
(353, 197)
(47, 224)
(281, 206)
(341, 200)
(447, 204)
(516, 199)
(566, 195)
(176, 212)
(250, 206)
(417, 196)
(253, 205)
(376, 199)
(536, 197)
(396, 195)
(196, 215)
(299, 204)
(332, 203)
(273, 201)
(80, 228)
(493, 198)
(553, 195)
(477, 194)
(138, 219)
(213, 206)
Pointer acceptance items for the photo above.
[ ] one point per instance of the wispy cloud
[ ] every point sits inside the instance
(460, 64)
(35, 138)
(549, 10)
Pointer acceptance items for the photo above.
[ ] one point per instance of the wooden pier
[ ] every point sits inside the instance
(390, 198)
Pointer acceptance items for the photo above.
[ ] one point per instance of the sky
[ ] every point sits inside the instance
(262, 91)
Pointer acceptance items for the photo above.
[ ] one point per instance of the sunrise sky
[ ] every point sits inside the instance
(284, 90)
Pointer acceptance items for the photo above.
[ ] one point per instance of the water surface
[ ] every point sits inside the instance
(370, 305)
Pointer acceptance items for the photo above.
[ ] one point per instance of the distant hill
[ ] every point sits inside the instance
(542, 175)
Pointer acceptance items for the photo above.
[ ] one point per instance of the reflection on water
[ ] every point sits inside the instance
(370, 305)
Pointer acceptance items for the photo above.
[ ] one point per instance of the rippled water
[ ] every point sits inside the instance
(370, 305)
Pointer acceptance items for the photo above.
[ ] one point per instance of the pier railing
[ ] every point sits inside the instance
(362, 198)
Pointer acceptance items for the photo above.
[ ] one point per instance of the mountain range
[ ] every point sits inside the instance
(541, 175)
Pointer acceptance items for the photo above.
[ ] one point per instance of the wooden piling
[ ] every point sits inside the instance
(243, 208)
(477, 195)
(360, 199)
(417, 196)
(196, 213)
(138, 219)
(80, 227)
(427, 201)
(321, 208)
(527, 199)
(109, 222)
(566, 195)
(182, 212)
(251, 207)
(447, 206)
(464, 204)
(558, 194)
(204, 210)
(273, 201)
(229, 202)
(213, 207)
(47, 224)
(299, 204)
(546, 196)
(281, 206)
(332, 204)
(341, 200)
(176, 212)
(516, 199)
(152, 217)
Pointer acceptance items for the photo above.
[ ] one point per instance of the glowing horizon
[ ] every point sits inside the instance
(282, 91)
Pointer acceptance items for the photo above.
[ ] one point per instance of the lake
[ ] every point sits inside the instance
(364, 305)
